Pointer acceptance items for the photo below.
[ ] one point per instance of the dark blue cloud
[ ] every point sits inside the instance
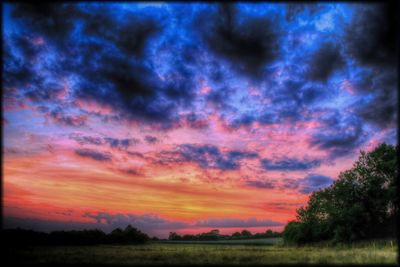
(379, 105)
(148, 64)
(98, 141)
(133, 31)
(371, 37)
(196, 121)
(314, 182)
(208, 156)
(243, 120)
(120, 143)
(60, 117)
(83, 140)
(145, 222)
(248, 43)
(290, 164)
(261, 184)
(325, 61)
(55, 21)
(93, 154)
(370, 40)
(132, 172)
(293, 100)
(105, 50)
(151, 139)
(293, 10)
(18, 73)
(340, 137)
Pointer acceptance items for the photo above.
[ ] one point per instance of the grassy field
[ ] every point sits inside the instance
(194, 254)
(258, 241)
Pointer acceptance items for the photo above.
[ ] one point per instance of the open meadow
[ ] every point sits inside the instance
(157, 253)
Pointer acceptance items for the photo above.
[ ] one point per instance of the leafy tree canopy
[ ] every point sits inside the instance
(361, 204)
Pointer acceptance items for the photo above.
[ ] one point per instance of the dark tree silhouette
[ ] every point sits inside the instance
(361, 204)
(21, 237)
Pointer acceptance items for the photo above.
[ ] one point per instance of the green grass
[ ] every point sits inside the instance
(258, 241)
(194, 254)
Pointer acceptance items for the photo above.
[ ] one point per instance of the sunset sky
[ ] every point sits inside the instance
(188, 117)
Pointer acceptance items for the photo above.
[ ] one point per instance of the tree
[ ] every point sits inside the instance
(215, 232)
(133, 235)
(236, 235)
(129, 235)
(174, 236)
(246, 233)
(361, 204)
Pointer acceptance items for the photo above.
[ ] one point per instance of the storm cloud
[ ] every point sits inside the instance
(324, 62)
(248, 43)
(110, 53)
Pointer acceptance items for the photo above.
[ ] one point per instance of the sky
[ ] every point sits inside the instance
(177, 117)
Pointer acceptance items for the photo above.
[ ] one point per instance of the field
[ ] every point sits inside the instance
(258, 241)
(205, 254)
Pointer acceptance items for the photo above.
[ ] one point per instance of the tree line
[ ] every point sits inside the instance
(22, 237)
(215, 235)
(361, 204)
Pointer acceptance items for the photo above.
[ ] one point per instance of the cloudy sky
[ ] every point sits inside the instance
(188, 117)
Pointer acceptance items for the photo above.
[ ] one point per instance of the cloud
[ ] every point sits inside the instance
(314, 182)
(38, 18)
(243, 120)
(324, 62)
(196, 121)
(208, 156)
(133, 32)
(310, 183)
(132, 172)
(18, 73)
(27, 47)
(123, 143)
(378, 103)
(340, 137)
(371, 37)
(261, 184)
(135, 154)
(105, 51)
(118, 143)
(290, 164)
(84, 140)
(283, 206)
(93, 154)
(248, 43)
(294, 9)
(151, 139)
(370, 40)
(231, 223)
(145, 222)
(220, 97)
(58, 116)
(292, 100)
